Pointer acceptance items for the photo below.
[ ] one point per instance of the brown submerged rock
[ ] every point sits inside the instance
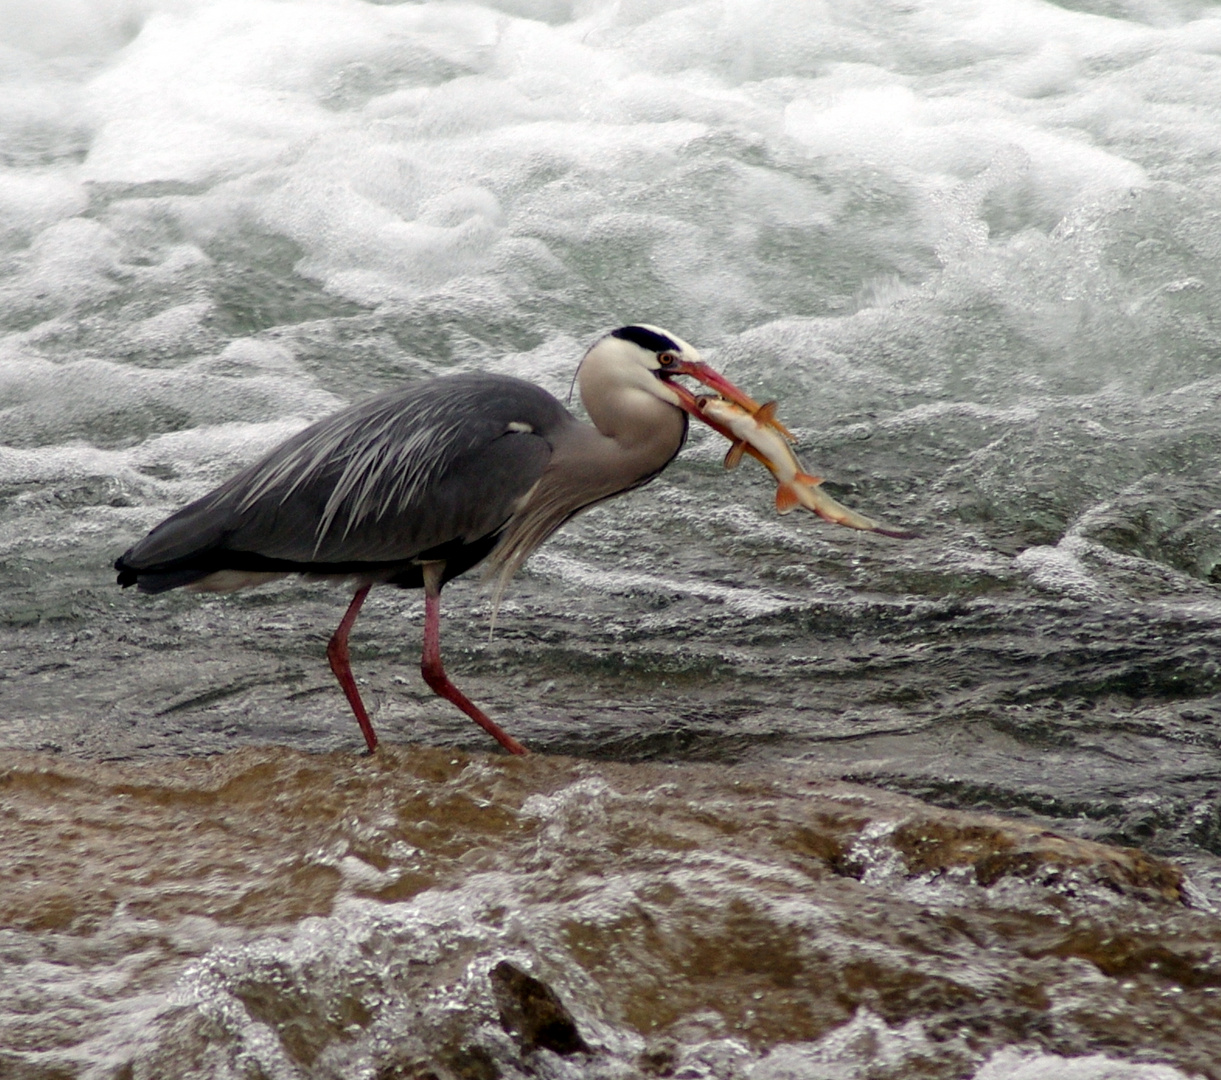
(533, 1013)
(995, 848)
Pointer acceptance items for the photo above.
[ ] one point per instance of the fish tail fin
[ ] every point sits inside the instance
(806, 490)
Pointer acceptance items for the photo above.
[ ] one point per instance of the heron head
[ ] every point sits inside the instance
(648, 358)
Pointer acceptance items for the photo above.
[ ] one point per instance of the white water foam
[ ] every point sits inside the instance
(1031, 1065)
(466, 150)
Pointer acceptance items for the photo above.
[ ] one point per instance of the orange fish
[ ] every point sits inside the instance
(762, 436)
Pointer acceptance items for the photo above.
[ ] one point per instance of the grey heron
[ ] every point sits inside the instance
(417, 485)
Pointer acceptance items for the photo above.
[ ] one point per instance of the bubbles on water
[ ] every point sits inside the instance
(1059, 571)
(1032, 1065)
(865, 1044)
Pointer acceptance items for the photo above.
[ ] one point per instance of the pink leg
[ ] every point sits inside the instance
(337, 654)
(434, 672)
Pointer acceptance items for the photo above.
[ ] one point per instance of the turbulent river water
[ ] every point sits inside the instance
(804, 802)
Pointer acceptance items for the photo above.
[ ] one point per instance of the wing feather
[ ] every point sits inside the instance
(382, 481)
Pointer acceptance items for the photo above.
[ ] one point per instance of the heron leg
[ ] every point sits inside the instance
(337, 654)
(433, 671)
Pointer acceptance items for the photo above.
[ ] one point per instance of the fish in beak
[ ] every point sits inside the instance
(757, 431)
(715, 381)
(754, 429)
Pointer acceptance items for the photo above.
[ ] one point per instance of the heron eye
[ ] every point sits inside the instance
(667, 359)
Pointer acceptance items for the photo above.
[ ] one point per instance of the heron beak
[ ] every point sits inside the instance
(714, 380)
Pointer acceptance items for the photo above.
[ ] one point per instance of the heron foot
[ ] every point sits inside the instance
(438, 681)
(434, 671)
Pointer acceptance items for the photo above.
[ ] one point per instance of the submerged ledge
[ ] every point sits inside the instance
(334, 915)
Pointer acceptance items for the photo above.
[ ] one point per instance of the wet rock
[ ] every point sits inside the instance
(659, 1058)
(533, 1013)
(472, 1063)
(997, 849)
(406, 1070)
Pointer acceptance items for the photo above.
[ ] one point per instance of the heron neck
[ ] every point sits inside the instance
(587, 466)
(633, 437)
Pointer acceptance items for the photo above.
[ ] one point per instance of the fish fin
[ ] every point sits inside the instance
(786, 498)
(806, 478)
(734, 457)
(766, 414)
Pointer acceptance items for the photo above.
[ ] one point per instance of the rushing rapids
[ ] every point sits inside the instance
(970, 247)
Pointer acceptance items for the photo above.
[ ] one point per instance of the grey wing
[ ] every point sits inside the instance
(436, 462)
